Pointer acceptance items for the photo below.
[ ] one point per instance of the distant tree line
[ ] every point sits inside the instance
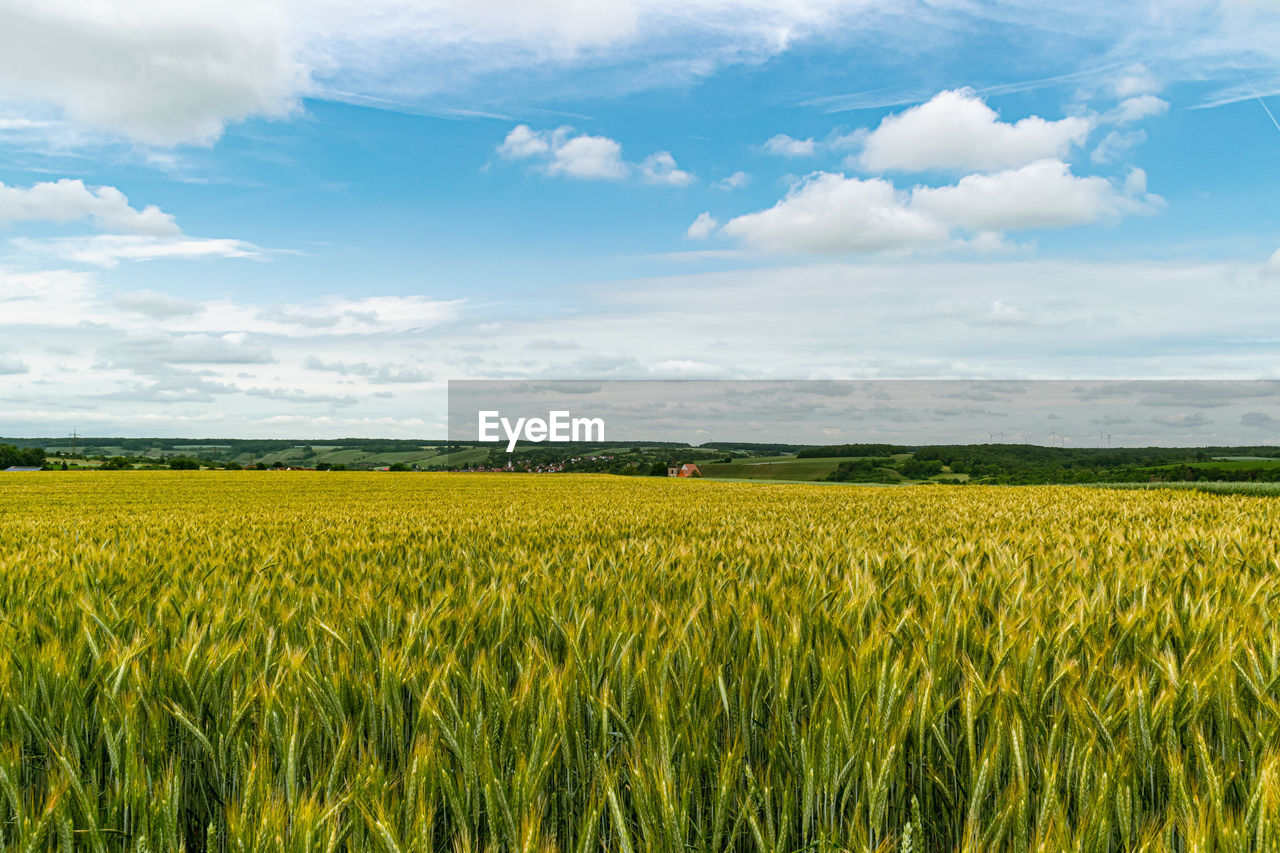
(836, 450)
(23, 457)
(756, 448)
(868, 470)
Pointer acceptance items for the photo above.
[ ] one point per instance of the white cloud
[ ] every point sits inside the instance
(1043, 194)
(828, 213)
(341, 315)
(161, 306)
(159, 72)
(703, 227)
(591, 157)
(107, 250)
(660, 168)
(1136, 79)
(51, 297)
(562, 153)
(956, 130)
(12, 366)
(1116, 144)
(587, 157)
(136, 234)
(787, 146)
(68, 200)
(1138, 108)
(379, 373)
(1055, 318)
(523, 142)
(165, 73)
(833, 213)
(20, 124)
(1005, 314)
(164, 349)
(736, 181)
(1272, 266)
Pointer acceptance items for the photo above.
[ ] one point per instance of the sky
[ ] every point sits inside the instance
(288, 219)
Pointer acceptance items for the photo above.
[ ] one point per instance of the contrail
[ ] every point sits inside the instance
(1265, 108)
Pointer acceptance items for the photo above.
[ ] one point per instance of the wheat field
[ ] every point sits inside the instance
(260, 661)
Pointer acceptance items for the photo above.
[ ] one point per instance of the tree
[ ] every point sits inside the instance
(25, 457)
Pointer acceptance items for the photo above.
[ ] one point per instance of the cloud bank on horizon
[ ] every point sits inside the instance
(278, 218)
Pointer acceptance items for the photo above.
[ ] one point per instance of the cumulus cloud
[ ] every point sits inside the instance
(956, 130)
(523, 142)
(787, 146)
(587, 157)
(660, 168)
(833, 213)
(69, 200)
(1017, 181)
(1043, 194)
(158, 72)
(591, 157)
(703, 227)
(830, 213)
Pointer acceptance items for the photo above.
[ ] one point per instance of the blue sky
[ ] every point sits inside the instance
(302, 219)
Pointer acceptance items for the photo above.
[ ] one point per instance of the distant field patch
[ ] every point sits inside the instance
(772, 468)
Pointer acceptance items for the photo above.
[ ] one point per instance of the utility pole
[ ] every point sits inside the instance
(74, 436)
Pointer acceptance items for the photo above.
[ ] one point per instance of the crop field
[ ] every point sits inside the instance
(256, 661)
(773, 468)
(1219, 488)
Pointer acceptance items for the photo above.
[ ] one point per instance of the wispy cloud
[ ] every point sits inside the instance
(107, 250)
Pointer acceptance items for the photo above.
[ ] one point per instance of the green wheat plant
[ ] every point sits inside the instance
(261, 661)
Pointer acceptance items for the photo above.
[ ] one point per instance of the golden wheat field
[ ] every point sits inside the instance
(262, 661)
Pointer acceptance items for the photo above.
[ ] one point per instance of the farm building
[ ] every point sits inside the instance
(13, 469)
(688, 469)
